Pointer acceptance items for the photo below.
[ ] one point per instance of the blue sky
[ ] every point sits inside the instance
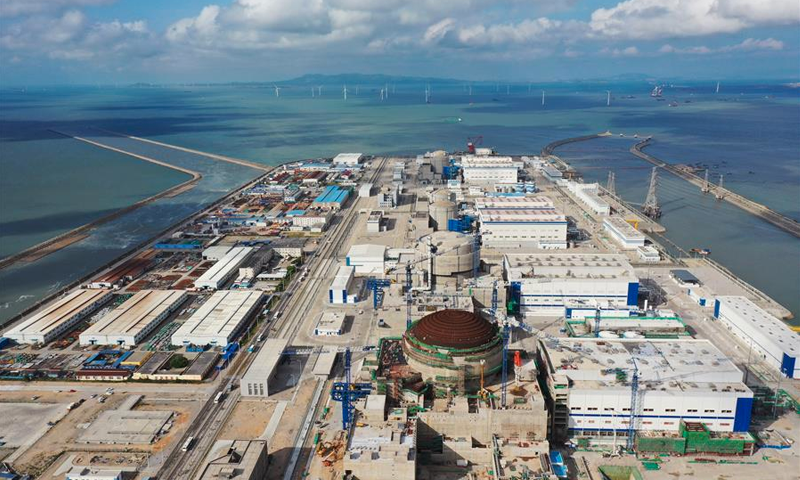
(107, 41)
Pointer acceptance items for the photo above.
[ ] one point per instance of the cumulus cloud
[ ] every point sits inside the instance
(71, 36)
(631, 51)
(654, 19)
(747, 45)
(491, 30)
(13, 8)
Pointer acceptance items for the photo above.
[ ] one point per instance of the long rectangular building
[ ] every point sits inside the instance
(555, 284)
(623, 233)
(769, 337)
(590, 386)
(128, 324)
(219, 319)
(487, 169)
(255, 382)
(219, 273)
(59, 317)
(521, 222)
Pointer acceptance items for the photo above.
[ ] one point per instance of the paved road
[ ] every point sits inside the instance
(293, 306)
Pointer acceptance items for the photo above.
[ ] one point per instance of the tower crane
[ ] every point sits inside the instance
(472, 142)
(346, 392)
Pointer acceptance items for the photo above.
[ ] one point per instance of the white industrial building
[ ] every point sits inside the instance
(588, 194)
(518, 228)
(375, 221)
(339, 293)
(589, 380)
(538, 202)
(623, 233)
(216, 252)
(255, 382)
(219, 319)
(313, 220)
(488, 169)
(365, 190)
(521, 222)
(556, 284)
(367, 259)
(552, 173)
(330, 324)
(224, 269)
(348, 159)
(770, 338)
(129, 323)
(648, 254)
(58, 318)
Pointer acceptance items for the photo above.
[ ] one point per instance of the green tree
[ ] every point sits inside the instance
(178, 361)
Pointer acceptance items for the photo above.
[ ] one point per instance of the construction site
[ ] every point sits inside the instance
(457, 315)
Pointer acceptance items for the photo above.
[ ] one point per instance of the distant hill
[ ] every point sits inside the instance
(364, 79)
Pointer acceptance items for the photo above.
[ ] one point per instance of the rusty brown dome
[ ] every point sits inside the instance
(454, 329)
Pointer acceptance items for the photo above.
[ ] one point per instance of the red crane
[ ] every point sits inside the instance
(472, 142)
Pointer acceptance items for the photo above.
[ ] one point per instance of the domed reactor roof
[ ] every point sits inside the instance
(453, 329)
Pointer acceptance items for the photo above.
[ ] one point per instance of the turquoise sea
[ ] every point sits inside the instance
(49, 183)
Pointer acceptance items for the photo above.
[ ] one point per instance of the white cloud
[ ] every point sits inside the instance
(748, 45)
(621, 52)
(242, 32)
(14, 8)
(654, 19)
(751, 44)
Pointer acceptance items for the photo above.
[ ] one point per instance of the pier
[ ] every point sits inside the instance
(77, 234)
(646, 224)
(765, 213)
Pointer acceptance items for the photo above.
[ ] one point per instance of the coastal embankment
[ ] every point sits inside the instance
(762, 211)
(79, 233)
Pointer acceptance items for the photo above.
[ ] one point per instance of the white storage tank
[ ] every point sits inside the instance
(455, 253)
(440, 212)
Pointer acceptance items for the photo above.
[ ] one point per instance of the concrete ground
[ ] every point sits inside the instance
(22, 424)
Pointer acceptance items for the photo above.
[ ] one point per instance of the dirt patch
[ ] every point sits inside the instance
(282, 443)
(248, 420)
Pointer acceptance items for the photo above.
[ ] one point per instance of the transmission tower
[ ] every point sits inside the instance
(650, 207)
(706, 186)
(611, 186)
(720, 191)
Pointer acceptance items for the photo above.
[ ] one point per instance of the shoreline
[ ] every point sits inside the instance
(54, 244)
(787, 316)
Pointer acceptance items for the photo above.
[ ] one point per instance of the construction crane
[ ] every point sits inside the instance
(347, 392)
(651, 207)
(597, 323)
(472, 142)
(377, 285)
(634, 398)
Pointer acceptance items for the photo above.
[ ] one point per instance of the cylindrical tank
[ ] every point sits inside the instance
(607, 334)
(454, 253)
(440, 212)
(631, 334)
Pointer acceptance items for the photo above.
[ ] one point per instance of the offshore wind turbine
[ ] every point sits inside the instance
(543, 98)
(381, 94)
(344, 91)
(717, 88)
(608, 98)
(277, 91)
